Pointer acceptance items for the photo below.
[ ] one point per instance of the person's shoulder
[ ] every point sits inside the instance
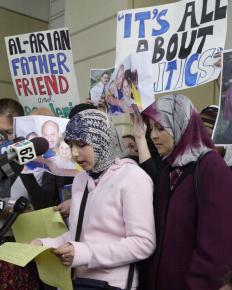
(80, 177)
(133, 157)
(211, 156)
(132, 169)
(213, 162)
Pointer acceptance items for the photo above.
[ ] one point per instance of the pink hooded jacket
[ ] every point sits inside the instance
(118, 226)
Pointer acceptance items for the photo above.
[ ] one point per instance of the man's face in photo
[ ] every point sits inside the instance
(51, 133)
(105, 79)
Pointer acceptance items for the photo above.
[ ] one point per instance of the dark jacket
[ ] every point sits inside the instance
(194, 237)
(47, 194)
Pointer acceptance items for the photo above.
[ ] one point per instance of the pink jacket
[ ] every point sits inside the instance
(118, 226)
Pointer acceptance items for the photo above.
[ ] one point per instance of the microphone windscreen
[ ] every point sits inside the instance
(20, 204)
(41, 145)
(18, 139)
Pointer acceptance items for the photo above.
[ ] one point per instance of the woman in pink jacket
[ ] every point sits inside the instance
(118, 225)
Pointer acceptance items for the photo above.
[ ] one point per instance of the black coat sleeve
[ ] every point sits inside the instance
(42, 196)
(152, 167)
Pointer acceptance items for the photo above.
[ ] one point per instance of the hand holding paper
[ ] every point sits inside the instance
(36, 243)
(65, 253)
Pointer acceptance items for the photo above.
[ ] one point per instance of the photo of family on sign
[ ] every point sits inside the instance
(123, 86)
(57, 160)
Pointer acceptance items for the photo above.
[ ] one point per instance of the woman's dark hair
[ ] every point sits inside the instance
(10, 108)
(129, 136)
(132, 76)
(80, 107)
(209, 115)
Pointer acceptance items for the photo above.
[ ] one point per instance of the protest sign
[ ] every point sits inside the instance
(57, 159)
(130, 83)
(222, 134)
(183, 38)
(42, 70)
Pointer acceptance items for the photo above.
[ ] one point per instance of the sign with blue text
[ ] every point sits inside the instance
(183, 38)
(42, 70)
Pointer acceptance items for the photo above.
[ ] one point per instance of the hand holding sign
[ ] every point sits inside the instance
(139, 128)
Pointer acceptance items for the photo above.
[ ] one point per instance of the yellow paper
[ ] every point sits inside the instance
(52, 272)
(41, 224)
(19, 254)
(38, 224)
(50, 269)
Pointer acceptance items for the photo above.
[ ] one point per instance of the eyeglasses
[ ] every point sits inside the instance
(8, 132)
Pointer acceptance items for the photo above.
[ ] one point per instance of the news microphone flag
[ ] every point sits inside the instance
(22, 151)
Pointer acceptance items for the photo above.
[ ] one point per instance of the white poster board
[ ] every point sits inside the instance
(183, 38)
(42, 70)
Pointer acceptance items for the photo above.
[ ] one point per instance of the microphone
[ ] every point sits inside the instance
(21, 152)
(2, 205)
(19, 207)
(4, 143)
(25, 151)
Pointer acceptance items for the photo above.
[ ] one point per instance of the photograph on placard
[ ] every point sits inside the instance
(99, 79)
(131, 83)
(57, 159)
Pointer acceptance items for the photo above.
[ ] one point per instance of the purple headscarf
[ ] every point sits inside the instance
(177, 115)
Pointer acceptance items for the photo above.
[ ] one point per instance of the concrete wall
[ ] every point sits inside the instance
(92, 25)
(13, 23)
(33, 8)
(56, 16)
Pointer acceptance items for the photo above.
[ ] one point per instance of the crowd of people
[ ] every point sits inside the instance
(149, 211)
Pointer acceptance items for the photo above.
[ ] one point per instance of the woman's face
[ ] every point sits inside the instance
(83, 154)
(64, 151)
(119, 77)
(162, 140)
(126, 88)
(112, 88)
(6, 124)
